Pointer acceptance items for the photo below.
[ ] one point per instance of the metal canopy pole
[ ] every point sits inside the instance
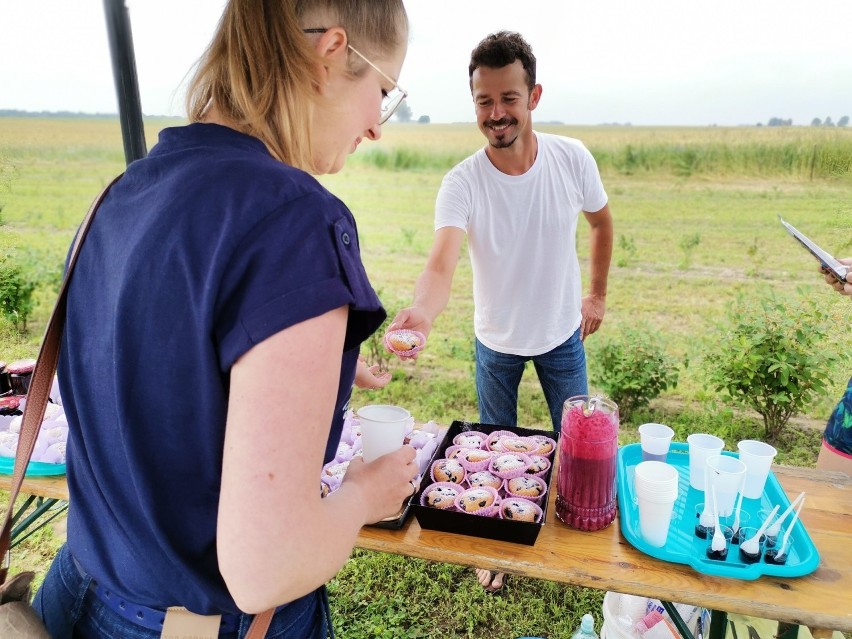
(126, 83)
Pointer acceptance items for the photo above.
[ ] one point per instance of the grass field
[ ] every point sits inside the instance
(723, 188)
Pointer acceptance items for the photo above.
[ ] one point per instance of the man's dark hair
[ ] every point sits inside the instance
(501, 49)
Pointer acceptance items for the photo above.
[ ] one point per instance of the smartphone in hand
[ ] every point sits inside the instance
(831, 265)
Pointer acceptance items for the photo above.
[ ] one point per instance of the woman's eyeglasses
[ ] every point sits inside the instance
(390, 100)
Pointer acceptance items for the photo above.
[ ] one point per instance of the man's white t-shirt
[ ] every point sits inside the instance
(522, 242)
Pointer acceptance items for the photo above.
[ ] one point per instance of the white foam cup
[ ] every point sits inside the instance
(655, 440)
(382, 429)
(701, 446)
(725, 475)
(757, 457)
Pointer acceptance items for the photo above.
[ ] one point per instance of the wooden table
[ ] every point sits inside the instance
(606, 561)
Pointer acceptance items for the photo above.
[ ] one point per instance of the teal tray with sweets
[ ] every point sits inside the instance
(683, 546)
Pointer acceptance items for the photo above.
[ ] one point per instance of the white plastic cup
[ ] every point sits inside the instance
(757, 457)
(701, 446)
(725, 475)
(656, 485)
(382, 429)
(655, 515)
(655, 440)
(656, 476)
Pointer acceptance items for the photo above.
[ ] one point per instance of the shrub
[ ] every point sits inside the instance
(632, 368)
(16, 294)
(769, 357)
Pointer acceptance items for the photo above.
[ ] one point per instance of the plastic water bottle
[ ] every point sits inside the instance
(586, 629)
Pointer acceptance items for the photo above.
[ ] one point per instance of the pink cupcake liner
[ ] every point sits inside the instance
(441, 484)
(487, 511)
(498, 483)
(512, 472)
(405, 333)
(542, 440)
(492, 439)
(539, 458)
(475, 466)
(535, 499)
(468, 439)
(436, 463)
(332, 481)
(521, 502)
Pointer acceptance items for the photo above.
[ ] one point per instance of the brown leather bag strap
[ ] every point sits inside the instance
(41, 382)
(260, 624)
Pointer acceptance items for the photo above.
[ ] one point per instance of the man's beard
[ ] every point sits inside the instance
(501, 143)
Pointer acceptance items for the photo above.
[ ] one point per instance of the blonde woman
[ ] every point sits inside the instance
(214, 322)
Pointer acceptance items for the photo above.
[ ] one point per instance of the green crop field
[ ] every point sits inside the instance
(696, 225)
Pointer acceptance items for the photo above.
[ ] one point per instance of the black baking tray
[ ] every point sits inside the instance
(521, 532)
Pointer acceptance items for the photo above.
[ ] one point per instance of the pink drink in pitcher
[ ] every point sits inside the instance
(588, 451)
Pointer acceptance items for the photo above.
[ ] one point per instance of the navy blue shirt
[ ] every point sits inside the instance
(203, 249)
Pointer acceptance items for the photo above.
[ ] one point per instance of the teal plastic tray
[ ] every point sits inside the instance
(684, 546)
(34, 469)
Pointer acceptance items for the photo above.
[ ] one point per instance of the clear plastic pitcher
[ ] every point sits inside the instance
(588, 454)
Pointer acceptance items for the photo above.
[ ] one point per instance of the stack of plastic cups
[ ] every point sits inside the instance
(656, 492)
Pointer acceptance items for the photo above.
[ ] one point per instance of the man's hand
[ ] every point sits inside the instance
(593, 309)
(413, 319)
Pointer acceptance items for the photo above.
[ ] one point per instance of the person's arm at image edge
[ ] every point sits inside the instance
(600, 255)
(276, 538)
(432, 290)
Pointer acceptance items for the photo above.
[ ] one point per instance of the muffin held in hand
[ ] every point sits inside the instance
(404, 341)
(476, 499)
(448, 470)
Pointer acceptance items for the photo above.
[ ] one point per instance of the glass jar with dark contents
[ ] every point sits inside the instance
(20, 374)
(5, 385)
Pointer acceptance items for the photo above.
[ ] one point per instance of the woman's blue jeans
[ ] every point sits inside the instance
(71, 610)
(561, 371)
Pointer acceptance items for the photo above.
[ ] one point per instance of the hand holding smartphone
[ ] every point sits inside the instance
(829, 264)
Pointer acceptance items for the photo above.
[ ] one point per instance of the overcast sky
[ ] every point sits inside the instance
(647, 62)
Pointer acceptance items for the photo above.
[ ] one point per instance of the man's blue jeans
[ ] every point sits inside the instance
(561, 371)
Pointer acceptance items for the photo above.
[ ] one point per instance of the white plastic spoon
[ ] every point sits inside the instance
(706, 518)
(719, 543)
(775, 528)
(752, 545)
(735, 527)
(782, 551)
